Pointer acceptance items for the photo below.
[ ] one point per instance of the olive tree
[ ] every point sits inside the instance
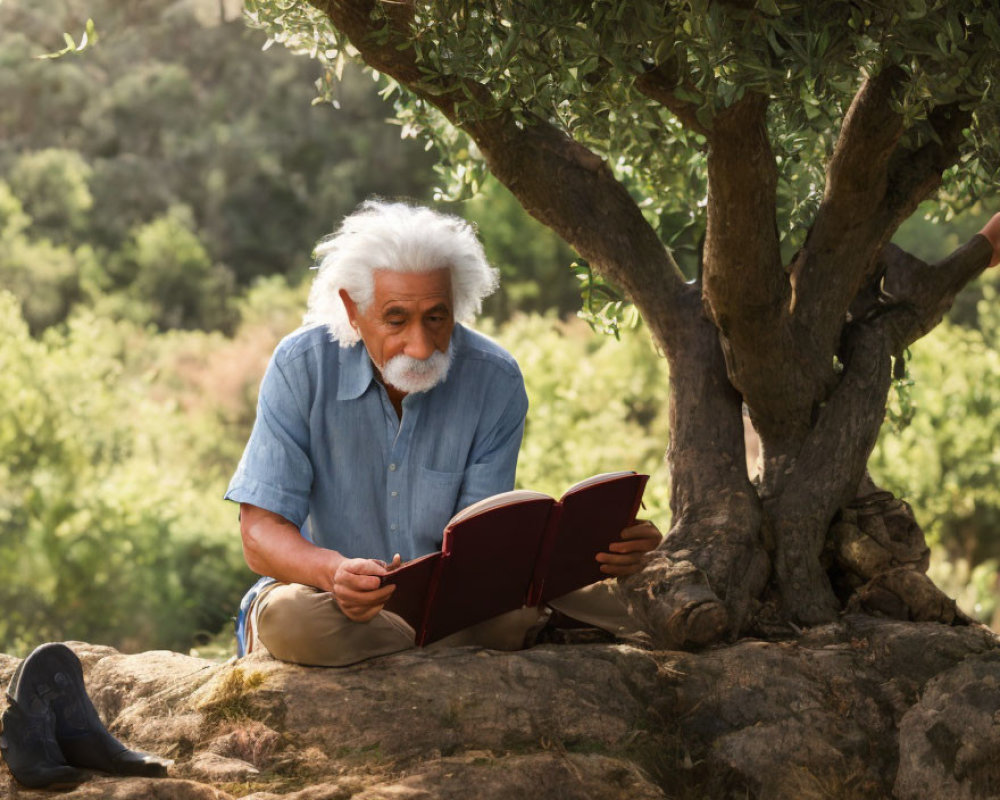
(775, 147)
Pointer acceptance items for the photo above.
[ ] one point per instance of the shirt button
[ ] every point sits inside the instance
(392, 468)
(392, 527)
(393, 494)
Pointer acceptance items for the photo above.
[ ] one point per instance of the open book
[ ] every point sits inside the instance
(514, 549)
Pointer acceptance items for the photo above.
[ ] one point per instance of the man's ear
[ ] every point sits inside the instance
(351, 306)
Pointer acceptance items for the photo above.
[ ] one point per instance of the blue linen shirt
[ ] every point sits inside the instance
(329, 454)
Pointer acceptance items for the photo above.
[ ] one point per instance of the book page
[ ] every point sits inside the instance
(497, 500)
(604, 476)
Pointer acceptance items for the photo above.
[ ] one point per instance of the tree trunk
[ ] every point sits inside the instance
(704, 580)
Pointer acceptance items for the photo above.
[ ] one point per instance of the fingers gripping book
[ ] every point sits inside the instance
(514, 549)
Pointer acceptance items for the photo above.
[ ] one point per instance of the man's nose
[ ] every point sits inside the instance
(419, 345)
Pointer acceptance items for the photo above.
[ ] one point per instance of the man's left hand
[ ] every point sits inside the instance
(625, 556)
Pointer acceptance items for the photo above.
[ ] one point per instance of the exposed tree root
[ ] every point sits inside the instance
(903, 593)
(674, 603)
(880, 561)
(876, 533)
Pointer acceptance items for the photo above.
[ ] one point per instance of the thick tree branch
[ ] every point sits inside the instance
(916, 295)
(873, 183)
(741, 238)
(557, 180)
(915, 173)
(570, 189)
(840, 251)
(843, 240)
(856, 176)
(746, 289)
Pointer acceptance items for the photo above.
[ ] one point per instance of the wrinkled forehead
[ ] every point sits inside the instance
(412, 287)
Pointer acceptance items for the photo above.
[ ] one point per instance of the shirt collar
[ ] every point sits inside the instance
(356, 372)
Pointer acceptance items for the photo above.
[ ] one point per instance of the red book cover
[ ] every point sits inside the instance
(412, 588)
(487, 563)
(592, 516)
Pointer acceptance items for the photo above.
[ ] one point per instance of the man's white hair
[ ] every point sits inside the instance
(403, 238)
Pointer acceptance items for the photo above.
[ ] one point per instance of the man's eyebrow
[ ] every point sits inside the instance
(441, 307)
(394, 310)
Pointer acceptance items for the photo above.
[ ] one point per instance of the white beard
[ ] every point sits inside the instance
(411, 375)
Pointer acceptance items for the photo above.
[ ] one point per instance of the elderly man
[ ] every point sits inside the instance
(376, 422)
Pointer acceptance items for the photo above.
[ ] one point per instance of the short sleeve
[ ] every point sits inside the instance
(276, 472)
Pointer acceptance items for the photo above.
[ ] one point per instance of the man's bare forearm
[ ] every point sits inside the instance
(273, 546)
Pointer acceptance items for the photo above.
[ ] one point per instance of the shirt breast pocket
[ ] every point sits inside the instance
(434, 496)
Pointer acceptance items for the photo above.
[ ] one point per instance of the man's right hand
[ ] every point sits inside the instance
(273, 546)
(991, 230)
(357, 588)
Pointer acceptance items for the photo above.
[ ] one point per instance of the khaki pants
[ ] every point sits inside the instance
(304, 625)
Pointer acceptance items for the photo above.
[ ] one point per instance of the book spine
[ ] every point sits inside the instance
(544, 557)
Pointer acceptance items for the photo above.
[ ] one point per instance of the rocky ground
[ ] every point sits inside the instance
(860, 709)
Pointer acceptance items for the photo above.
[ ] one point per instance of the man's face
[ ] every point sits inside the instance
(409, 320)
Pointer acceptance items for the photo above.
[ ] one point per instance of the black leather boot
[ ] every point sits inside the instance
(79, 732)
(28, 740)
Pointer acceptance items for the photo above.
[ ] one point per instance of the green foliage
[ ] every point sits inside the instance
(173, 275)
(179, 106)
(575, 65)
(45, 277)
(110, 529)
(605, 308)
(533, 261)
(596, 405)
(52, 185)
(13, 220)
(88, 39)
